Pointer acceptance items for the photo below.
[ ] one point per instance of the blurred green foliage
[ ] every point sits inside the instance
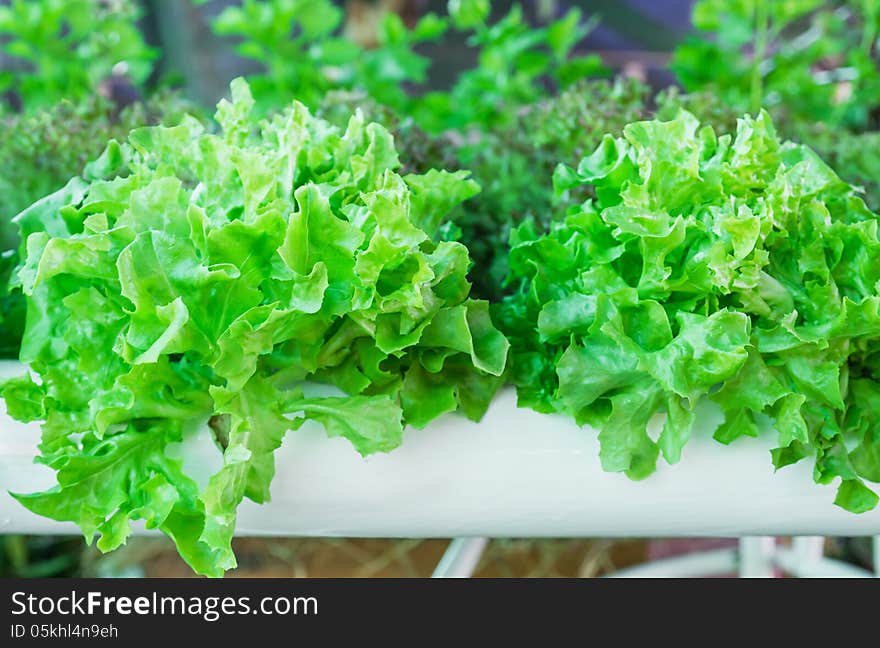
(64, 49)
(805, 60)
(305, 55)
(299, 44)
(39, 556)
(516, 66)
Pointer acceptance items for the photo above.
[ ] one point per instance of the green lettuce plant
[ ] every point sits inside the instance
(854, 156)
(736, 270)
(814, 65)
(189, 283)
(39, 152)
(495, 120)
(513, 164)
(418, 150)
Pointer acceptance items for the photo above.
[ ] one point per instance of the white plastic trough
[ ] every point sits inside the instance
(517, 473)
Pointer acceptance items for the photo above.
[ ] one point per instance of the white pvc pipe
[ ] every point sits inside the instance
(717, 562)
(518, 473)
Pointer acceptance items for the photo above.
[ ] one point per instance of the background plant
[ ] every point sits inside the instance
(304, 53)
(516, 64)
(806, 60)
(65, 49)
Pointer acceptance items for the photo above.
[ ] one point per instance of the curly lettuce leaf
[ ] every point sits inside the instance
(734, 268)
(193, 280)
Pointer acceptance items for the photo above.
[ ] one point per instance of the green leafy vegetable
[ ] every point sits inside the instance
(738, 269)
(39, 152)
(814, 65)
(512, 162)
(495, 120)
(508, 161)
(853, 155)
(191, 278)
(419, 151)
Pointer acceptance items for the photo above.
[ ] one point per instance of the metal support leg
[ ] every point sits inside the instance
(806, 559)
(806, 556)
(789, 563)
(461, 558)
(808, 549)
(877, 556)
(756, 557)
